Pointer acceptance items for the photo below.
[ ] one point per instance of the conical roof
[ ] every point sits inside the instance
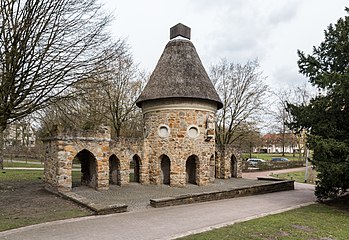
(179, 74)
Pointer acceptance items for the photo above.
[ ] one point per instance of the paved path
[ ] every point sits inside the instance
(167, 223)
(254, 175)
(23, 168)
(137, 196)
(24, 161)
(33, 169)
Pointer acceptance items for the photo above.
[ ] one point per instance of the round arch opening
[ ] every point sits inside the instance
(233, 166)
(114, 170)
(192, 166)
(135, 166)
(165, 164)
(87, 176)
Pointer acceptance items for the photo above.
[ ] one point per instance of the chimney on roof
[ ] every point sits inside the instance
(180, 30)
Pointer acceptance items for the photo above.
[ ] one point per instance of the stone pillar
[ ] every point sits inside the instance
(224, 161)
(124, 170)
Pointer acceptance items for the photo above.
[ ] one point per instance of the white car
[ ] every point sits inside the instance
(255, 161)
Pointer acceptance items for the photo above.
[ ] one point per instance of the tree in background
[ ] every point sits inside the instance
(299, 95)
(326, 117)
(250, 138)
(107, 97)
(45, 47)
(123, 84)
(243, 93)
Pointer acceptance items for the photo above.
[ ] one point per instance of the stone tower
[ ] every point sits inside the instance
(179, 104)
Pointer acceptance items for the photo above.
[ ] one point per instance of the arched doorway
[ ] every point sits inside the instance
(135, 165)
(165, 169)
(88, 174)
(114, 170)
(233, 166)
(191, 167)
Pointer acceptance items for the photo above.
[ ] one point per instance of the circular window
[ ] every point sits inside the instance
(193, 131)
(163, 131)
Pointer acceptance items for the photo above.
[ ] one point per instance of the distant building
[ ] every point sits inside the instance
(19, 134)
(276, 142)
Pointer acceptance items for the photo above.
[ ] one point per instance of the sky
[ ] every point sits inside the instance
(237, 30)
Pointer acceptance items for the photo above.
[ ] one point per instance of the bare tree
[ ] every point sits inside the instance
(45, 47)
(85, 110)
(298, 95)
(243, 92)
(123, 83)
(108, 97)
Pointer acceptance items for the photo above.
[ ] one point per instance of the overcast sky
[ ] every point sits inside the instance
(238, 30)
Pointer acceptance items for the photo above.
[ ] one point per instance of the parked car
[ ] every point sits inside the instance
(255, 161)
(279, 159)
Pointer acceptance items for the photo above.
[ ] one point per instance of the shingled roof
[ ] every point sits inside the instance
(179, 74)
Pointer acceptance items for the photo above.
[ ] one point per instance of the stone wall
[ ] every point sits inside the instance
(178, 132)
(63, 147)
(125, 149)
(181, 146)
(276, 186)
(228, 162)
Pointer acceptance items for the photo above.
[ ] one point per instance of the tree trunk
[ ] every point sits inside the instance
(2, 147)
(283, 139)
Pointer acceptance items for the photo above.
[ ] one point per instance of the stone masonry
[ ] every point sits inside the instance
(212, 161)
(186, 137)
(178, 147)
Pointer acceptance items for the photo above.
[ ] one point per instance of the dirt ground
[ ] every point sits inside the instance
(26, 203)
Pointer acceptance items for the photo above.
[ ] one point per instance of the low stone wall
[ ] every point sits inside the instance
(99, 209)
(272, 166)
(276, 186)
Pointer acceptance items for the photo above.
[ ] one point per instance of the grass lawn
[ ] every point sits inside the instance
(12, 176)
(23, 201)
(298, 176)
(314, 222)
(8, 222)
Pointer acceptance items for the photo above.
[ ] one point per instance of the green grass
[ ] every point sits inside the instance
(298, 176)
(268, 156)
(76, 178)
(132, 177)
(21, 175)
(316, 221)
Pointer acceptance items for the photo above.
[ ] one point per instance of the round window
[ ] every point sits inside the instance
(193, 131)
(163, 131)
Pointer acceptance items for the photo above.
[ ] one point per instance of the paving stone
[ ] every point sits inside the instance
(137, 196)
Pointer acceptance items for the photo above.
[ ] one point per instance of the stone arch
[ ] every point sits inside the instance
(88, 164)
(233, 166)
(191, 168)
(165, 167)
(135, 165)
(114, 170)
